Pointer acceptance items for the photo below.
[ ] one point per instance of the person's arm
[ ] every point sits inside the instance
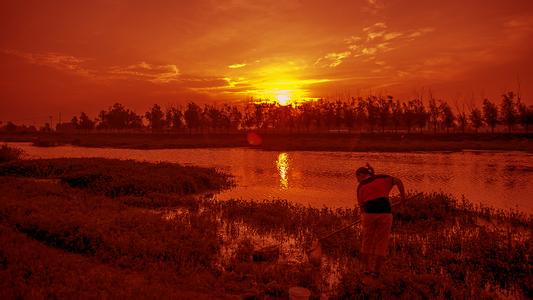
(397, 182)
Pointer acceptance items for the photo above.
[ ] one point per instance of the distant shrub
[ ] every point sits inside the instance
(45, 143)
(9, 153)
(114, 178)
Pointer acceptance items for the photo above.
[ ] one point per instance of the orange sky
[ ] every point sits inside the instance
(71, 56)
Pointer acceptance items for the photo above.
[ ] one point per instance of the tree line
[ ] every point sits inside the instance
(357, 114)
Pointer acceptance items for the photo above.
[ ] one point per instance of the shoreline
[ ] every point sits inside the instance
(330, 142)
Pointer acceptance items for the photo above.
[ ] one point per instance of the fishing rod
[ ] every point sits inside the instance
(314, 253)
(359, 219)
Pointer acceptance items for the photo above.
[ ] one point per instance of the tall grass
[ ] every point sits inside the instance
(67, 219)
(114, 178)
(8, 153)
(441, 247)
(31, 270)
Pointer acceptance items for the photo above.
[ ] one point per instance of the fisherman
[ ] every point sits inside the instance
(373, 199)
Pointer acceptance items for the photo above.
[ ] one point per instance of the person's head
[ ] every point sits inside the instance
(364, 172)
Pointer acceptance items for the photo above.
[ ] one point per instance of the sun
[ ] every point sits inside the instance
(283, 99)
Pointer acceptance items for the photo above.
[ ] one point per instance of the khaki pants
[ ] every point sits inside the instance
(376, 233)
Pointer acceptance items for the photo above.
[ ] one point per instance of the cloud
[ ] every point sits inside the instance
(521, 23)
(374, 6)
(392, 35)
(375, 35)
(379, 39)
(420, 32)
(376, 26)
(369, 51)
(161, 73)
(54, 60)
(333, 59)
(518, 28)
(150, 72)
(236, 66)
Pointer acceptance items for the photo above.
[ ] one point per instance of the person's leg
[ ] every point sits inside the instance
(371, 263)
(383, 229)
(365, 262)
(379, 263)
(366, 243)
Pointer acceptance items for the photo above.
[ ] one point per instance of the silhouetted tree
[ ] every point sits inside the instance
(448, 118)
(339, 114)
(174, 118)
(372, 112)
(396, 114)
(46, 128)
(490, 114)
(75, 123)
(235, 117)
(508, 110)
(248, 120)
(118, 117)
(383, 111)
(409, 115)
(307, 115)
(192, 116)
(11, 127)
(421, 115)
(525, 115)
(360, 114)
(476, 118)
(155, 117)
(85, 122)
(434, 113)
(349, 115)
(462, 121)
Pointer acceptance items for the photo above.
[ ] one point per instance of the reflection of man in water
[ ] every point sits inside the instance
(373, 198)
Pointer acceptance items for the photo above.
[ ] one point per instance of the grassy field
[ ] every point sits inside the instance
(63, 239)
(284, 142)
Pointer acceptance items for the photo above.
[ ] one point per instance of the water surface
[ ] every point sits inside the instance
(499, 179)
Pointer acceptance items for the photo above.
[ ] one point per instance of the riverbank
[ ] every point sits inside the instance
(342, 141)
(64, 234)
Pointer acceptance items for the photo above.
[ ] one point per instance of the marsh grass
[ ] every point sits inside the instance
(111, 232)
(114, 178)
(8, 153)
(164, 236)
(31, 270)
(438, 248)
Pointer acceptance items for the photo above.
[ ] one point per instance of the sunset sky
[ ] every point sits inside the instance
(72, 56)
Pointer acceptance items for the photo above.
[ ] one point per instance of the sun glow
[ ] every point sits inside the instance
(282, 164)
(283, 99)
(280, 83)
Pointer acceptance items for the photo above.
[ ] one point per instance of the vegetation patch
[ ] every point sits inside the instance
(115, 178)
(8, 153)
(67, 219)
(441, 247)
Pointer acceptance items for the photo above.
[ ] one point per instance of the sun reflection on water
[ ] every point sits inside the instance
(283, 169)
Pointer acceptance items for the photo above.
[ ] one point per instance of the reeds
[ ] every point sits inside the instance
(8, 153)
(441, 247)
(114, 178)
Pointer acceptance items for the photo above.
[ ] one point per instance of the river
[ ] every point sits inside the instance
(498, 179)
